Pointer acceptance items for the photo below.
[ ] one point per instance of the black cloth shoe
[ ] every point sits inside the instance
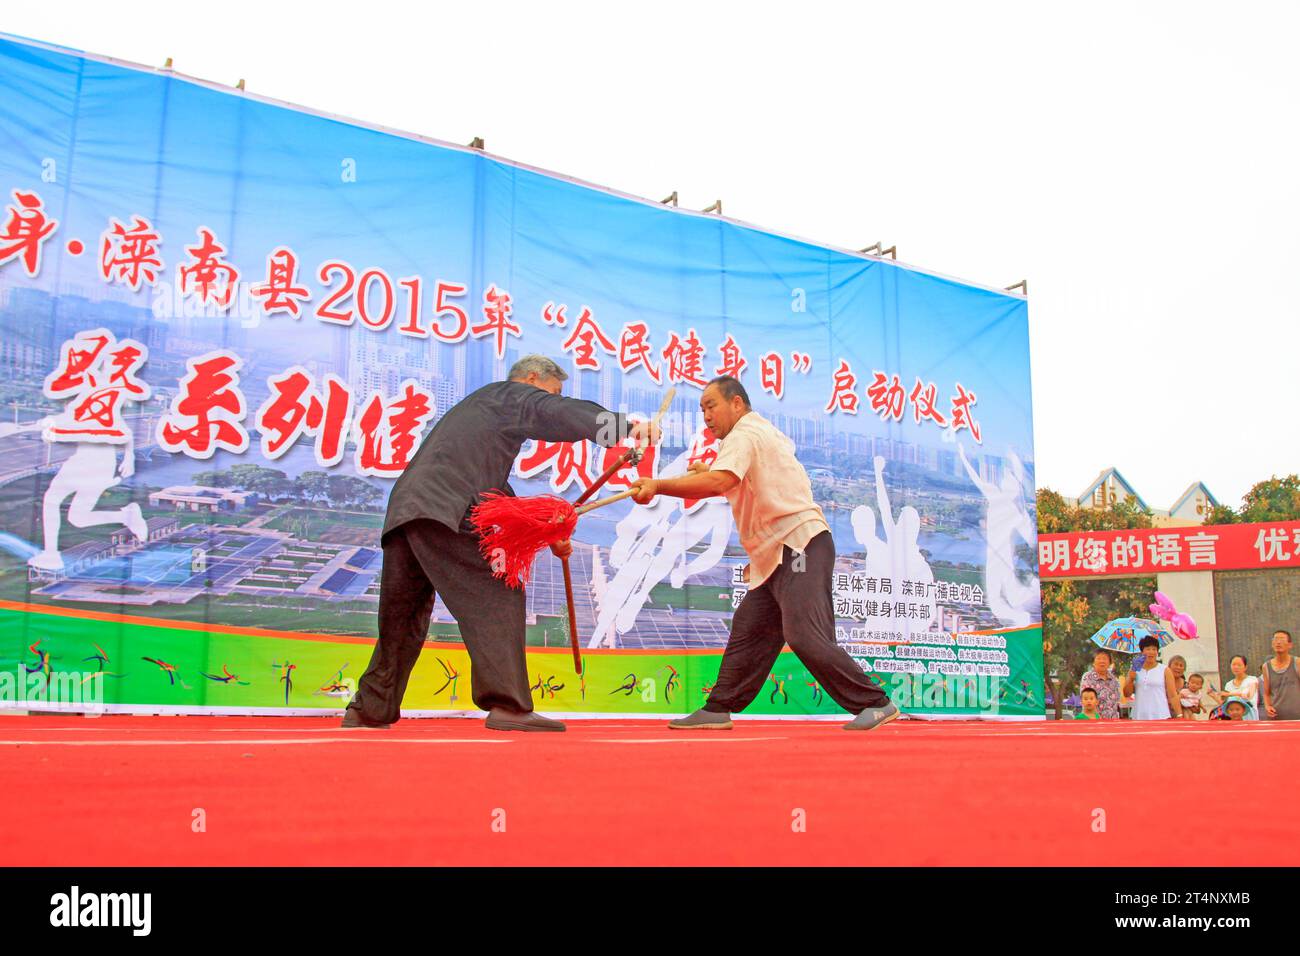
(873, 717)
(702, 720)
(501, 719)
(352, 720)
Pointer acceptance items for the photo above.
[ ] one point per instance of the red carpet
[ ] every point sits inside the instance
(121, 791)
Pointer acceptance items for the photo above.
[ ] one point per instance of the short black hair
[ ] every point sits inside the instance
(1282, 630)
(1102, 650)
(1244, 662)
(1088, 690)
(1148, 641)
(730, 387)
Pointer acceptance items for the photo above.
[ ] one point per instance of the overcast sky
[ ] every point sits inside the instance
(1137, 162)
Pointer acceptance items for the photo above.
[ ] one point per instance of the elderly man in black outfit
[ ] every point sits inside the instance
(430, 549)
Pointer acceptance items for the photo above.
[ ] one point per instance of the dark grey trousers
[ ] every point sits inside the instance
(423, 558)
(792, 607)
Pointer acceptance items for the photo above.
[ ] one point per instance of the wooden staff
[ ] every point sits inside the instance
(631, 454)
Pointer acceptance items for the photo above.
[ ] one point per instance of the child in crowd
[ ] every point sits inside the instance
(1233, 708)
(1088, 701)
(1190, 697)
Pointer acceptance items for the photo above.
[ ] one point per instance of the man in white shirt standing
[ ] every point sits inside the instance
(791, 563)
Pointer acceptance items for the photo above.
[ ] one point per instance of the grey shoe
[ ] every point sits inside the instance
(352, 720)
(873, 717)
(501, 719)
(702, 720)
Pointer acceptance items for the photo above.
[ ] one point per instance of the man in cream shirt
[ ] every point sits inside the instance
(791, 562)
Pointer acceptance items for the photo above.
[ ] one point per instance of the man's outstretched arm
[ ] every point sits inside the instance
(559, 418)
(700, 483)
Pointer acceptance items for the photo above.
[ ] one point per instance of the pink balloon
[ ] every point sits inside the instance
(1183, 626)
(1163, 599)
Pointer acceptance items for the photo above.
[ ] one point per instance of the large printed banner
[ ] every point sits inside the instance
(1223, 547)
(226, 324)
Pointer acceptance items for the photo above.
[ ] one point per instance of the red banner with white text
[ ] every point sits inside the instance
(1222, 547)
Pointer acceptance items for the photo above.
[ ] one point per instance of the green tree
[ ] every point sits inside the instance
(213, 479)
(313, 485)
(1276, 499)
(1075, 610)
(348, 490)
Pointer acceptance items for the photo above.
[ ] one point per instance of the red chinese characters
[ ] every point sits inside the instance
(97, 374)
(208, 412)
(388, 432)
(568, 461)
(496, 319)
(771, 368)
(25, 232)
(886, 396)
(297, 406)
(624, 477)
(923, 398)
(733, 363)
(130, 256)
(207, 274)
(843, 397)
(584, 338)
(634, 349)
(961, 416)
(685, 358)
(280, 292)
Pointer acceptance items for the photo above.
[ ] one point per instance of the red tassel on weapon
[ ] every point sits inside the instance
(513, 530)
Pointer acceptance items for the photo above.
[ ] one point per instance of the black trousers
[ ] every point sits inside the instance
(792, 607)
(423, 558)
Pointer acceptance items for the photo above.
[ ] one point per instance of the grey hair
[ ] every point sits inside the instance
(544, 367)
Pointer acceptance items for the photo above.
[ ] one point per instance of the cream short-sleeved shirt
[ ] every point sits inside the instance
(773, 504)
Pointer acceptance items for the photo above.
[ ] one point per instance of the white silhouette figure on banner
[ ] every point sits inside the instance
(653, 542)
(864, 529)
(1010, 599)
(897, 558)
(96, 375)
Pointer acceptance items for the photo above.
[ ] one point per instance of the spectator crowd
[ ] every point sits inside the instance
(1154, 690)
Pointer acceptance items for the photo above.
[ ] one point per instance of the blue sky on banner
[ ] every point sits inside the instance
(185, 156)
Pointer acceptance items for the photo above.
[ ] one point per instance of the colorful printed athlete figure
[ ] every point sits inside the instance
(43, 659)
(816, 692)
(225, 677)
(453, 676)
(627, 687)
(287, 677)
(545, 686)
(671, 684)
(173, 674)
(336, 686)
(778, 687)
(102, 659)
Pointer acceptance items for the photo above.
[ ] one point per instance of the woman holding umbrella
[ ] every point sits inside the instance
(1153, 684)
